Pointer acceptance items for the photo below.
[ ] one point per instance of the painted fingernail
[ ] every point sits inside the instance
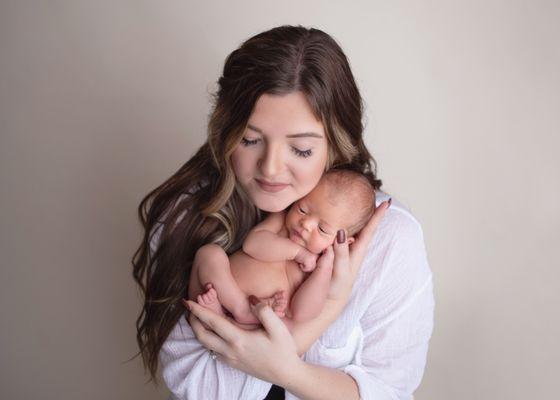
(389, 201)
(254, 300)
(186, 304)
(340, 236)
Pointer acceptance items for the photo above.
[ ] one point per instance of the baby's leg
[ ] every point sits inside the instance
(211, 265)
(209, 299)
(309, 299)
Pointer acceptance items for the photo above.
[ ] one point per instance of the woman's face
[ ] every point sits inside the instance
(283, 152)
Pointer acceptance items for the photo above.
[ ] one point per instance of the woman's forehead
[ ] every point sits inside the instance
(290, 113)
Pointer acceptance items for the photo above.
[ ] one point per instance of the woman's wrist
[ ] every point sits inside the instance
(307, 381)
(289, 375)
(308, 332)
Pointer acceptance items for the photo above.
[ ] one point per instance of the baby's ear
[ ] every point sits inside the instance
(351, 240)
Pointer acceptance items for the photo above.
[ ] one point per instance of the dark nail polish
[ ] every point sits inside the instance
(341, 236)
(390, 201)
(254, 300)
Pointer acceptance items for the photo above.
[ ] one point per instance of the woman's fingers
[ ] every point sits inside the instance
(343, 273)
(340, 247)
(273, 325)
(341, 254)
(359, 247)
(220, 325)
(348, 257)
(327, 258)
(206, 337)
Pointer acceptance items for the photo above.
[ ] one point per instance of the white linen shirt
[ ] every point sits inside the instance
(380, 339)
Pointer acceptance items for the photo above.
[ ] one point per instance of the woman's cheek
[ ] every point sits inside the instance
(242, 164)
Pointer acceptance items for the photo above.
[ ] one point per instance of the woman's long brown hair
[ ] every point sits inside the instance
(202, 203)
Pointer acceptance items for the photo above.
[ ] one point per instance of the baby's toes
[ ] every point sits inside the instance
(207, 298)
(212, 293)
(279, 295)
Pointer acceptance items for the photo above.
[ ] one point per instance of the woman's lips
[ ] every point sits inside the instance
(271, 187)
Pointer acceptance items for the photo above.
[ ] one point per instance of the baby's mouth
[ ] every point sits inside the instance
(297, 235)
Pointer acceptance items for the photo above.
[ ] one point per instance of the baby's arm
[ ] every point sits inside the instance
(309, 299)
(264, 243)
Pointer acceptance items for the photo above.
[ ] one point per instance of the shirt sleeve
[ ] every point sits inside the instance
(190, 373)
(398, 323)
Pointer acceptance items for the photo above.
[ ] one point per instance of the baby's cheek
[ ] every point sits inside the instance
(314, 246)
(320, 244)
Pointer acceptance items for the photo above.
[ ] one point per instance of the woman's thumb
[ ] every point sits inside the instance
(270, 321)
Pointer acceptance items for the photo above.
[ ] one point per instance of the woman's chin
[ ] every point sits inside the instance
(271, 204)
(273, 208)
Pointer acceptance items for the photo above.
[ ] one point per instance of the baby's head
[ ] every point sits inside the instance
(342, 199)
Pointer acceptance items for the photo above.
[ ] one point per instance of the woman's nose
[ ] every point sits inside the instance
(271, 163)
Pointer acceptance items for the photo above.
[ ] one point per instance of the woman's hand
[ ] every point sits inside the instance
(268, 354)
(347, 257)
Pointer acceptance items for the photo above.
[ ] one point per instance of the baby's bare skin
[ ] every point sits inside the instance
(266, 279)
(272, 282)
(279, 262)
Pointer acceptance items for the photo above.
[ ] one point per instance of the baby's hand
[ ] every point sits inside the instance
(306, 260)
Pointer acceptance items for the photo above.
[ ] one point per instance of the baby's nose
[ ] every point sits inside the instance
(306, 223)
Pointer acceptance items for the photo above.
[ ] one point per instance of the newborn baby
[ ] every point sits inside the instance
(278, 262)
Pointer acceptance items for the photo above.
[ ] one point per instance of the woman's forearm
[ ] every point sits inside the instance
(306, 333)
(315, 382)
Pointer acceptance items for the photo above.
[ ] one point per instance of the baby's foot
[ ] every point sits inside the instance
(278, 302)
(209, 299)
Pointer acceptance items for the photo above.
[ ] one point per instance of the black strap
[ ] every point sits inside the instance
(275, 393)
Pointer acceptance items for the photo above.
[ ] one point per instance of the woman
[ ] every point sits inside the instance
(287, 110)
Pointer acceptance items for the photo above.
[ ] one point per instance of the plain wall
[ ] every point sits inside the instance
(103, 100)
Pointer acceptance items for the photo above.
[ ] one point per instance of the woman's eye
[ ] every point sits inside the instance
(301, 153)
(248, 142)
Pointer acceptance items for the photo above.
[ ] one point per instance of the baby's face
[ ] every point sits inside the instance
(313, 221)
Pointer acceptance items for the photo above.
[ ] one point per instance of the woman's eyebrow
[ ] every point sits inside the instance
(293, 135)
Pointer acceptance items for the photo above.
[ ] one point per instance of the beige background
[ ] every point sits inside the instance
(102, 100)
